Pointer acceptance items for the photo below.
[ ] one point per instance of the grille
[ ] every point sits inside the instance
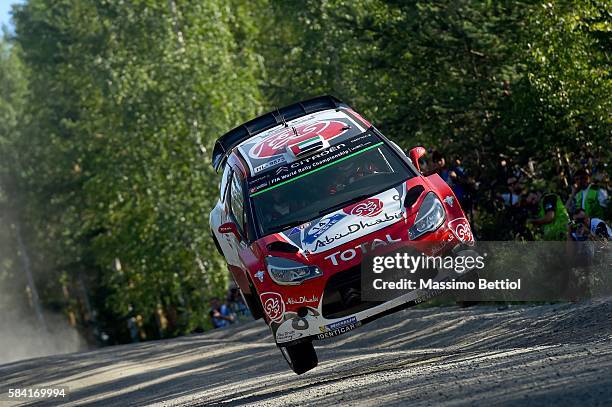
(342, 294)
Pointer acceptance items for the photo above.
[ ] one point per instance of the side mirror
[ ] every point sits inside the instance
(415, 154)
(230, 227)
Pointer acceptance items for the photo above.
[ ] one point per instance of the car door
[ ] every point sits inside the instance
(234, 212)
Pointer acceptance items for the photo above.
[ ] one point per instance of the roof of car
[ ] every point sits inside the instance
(227, 143)
(288, 141)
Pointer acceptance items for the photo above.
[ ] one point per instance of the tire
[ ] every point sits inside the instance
(301, 357)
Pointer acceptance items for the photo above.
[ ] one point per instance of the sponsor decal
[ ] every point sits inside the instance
(359, 138)
(338, 331)
(257, 188)
(355, 228)
(321, 227)
(449, 200)
(375, 213)
(275, 143)
(272, 148)
(289, 170)
(298, 229)
(269, 164)
(273, 305)
(338, 324)
(303, 300)
(370, 207)
(349, 254)
(300, 167)
(260, 275)
(314, 143)
(288, 336)
(461, 229)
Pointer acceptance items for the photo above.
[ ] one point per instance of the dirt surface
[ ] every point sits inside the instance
(525, 355)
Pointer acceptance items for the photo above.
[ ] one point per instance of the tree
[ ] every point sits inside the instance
(125, 106)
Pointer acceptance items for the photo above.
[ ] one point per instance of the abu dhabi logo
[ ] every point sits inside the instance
(370, 207)
(273, 305)
(461, 228)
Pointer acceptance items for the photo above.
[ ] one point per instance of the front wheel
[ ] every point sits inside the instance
(301, 357)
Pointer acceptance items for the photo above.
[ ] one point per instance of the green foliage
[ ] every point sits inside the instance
(569, 68)
(125, 107)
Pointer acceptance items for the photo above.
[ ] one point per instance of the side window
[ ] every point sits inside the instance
(224, 181)
(237, 201)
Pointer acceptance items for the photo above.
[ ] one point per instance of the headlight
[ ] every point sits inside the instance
(429, 217)
(289, 272)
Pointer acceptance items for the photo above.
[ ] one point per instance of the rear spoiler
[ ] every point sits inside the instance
(225, 144)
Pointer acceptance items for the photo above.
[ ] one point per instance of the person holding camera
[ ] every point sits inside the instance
(586, 228)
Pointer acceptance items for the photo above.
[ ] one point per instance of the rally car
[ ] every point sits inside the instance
(306, 192)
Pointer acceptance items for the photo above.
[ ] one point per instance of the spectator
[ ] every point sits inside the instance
(586, 228)
(455, 177)
(439, 165)
(552, 215)
(586, 254)
(237, 305)
(220, 314)
(512, 198)
(586, 196)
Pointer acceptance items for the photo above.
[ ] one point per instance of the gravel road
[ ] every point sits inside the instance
(526, 355)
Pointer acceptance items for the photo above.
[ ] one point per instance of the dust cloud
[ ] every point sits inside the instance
(22, 334)
(22, 337)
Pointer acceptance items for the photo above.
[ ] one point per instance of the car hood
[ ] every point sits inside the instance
(349, 223)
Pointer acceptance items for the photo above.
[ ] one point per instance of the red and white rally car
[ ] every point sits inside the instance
(306, 192)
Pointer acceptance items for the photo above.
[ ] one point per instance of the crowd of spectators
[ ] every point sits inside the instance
(518, 203)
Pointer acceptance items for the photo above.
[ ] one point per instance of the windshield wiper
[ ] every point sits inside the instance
(344, 204)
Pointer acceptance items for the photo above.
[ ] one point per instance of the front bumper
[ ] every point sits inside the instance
(315, 326)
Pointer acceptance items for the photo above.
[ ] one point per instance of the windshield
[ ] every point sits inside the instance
(301, 192)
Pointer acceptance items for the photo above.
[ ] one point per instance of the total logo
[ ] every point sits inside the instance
(273, 305)
(275, 143)
(349, 254)
(370, 207)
